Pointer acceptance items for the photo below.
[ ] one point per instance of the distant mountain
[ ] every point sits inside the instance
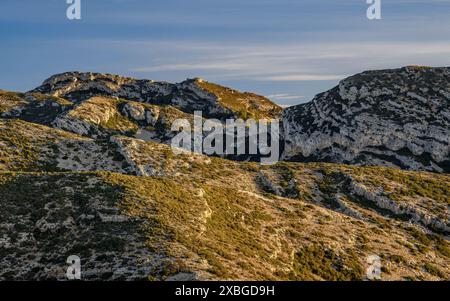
(398, 118)
(188, 96)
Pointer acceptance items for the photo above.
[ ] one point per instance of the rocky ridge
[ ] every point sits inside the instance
(193, 94)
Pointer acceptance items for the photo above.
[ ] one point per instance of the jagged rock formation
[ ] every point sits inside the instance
(398, 118)
(188, 96)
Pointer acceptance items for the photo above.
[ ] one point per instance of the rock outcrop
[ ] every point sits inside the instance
(398, 118)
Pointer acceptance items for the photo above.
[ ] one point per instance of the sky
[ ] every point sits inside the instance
(288, 50)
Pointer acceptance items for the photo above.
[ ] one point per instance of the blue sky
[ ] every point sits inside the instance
(288, 50)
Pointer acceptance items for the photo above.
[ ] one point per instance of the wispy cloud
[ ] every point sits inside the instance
(302, 77)
(285, 96)
(325, 61)
(191, 67)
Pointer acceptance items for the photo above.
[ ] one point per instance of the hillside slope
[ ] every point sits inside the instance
(160, 216)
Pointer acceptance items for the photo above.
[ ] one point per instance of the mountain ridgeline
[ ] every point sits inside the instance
(398, 118)
(193, 94)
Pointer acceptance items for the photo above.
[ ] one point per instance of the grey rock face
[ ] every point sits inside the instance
(80, 86)
(398, 118)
